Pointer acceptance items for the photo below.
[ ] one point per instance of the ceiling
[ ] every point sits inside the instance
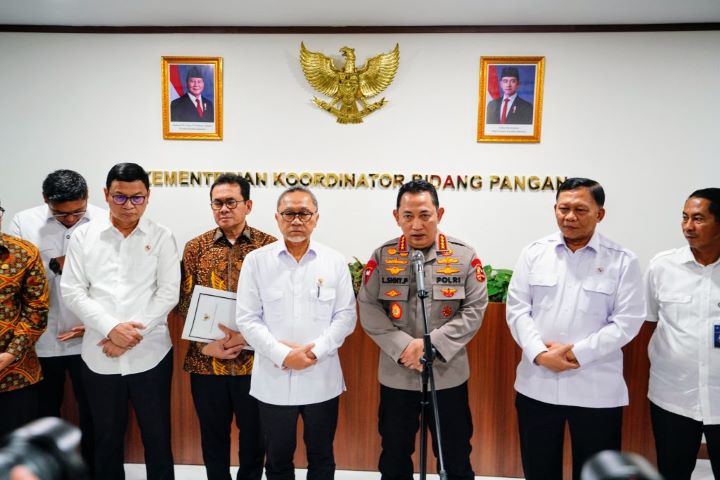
(338, 13)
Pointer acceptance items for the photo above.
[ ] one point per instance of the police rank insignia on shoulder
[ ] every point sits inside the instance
(479, 270)
(395, 311)
(369, 269)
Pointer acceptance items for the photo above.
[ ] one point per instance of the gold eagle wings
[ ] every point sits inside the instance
(349, 85)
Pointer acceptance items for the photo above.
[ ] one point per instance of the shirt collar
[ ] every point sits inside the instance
(511, 97)
(594, 242)
(193, 98)
(281, 248)
(247, 233)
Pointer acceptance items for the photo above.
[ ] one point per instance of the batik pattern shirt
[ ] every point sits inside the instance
(210, 260)
(23, 310)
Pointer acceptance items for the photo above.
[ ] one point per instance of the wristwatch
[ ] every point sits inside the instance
(55, 266)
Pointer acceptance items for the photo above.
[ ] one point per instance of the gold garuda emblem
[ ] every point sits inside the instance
(349, 86)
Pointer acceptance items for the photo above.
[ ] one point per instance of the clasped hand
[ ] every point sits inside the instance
(226, 348)
(558, 358)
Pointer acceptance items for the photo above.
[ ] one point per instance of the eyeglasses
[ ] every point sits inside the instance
(134, 199)
(60, 216)
(290, 216)
(231, 203)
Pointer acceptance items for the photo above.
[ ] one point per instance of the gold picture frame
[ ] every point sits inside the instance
(510, 111)
(192, 98)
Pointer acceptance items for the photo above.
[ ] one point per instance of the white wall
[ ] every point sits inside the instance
(636, 111)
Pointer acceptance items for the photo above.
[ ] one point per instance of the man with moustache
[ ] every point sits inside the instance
(220, 370)
(50, 226)
(683, 289)
(295, 306)
(575, 300)
(389, 315)
(122, 278)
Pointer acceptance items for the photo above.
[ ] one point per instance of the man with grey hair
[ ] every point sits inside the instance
(295, 306)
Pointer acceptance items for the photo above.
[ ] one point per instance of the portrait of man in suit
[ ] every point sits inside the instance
(509, 108)
(193, 106)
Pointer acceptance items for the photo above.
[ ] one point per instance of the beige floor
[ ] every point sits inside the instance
(192, 472)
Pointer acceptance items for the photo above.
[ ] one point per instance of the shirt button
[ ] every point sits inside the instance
(67, 236)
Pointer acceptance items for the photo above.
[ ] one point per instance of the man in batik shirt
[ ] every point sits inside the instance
(23, 317)
(220, 370)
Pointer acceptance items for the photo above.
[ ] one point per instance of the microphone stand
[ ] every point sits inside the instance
(428, 378)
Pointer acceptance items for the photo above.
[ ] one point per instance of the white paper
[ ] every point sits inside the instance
(208, 308)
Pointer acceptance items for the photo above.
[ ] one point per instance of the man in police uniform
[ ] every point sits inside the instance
(389, 312)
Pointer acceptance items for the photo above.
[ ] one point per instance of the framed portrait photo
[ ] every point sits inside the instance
(192, 98)
(511, 99)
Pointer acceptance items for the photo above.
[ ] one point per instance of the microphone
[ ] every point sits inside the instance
(418, 260)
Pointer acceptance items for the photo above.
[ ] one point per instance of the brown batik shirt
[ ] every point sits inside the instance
(210, 260)
(24, 301)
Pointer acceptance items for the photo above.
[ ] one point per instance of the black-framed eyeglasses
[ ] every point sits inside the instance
(134, 199)
(60, 216)
(231, 203)
(304, 216)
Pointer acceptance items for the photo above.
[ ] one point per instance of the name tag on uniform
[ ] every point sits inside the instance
(716, 336)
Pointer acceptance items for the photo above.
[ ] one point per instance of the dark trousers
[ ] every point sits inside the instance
(399, 422)
(149, 393)
(542, 430)
(677, 441)
(52, 390)
(17, 408)
(279, 425)
(216, 398)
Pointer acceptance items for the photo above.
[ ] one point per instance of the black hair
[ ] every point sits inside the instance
(232, 179)
(418, 186)
(64, 186)
(573, 183)
(127, 172)
(713, 196)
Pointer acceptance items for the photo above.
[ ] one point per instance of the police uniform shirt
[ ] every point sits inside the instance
(390, 310)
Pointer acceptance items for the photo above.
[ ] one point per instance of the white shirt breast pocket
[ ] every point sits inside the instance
(544, 289)
(597, 297)
(272, 304)
(322, 300)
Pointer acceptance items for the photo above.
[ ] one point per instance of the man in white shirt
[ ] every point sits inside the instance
(122, 278)
(49, 227)
(295, 306)
(683, 289)
(575, 299)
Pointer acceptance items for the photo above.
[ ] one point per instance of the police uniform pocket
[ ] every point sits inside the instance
(597, 296)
